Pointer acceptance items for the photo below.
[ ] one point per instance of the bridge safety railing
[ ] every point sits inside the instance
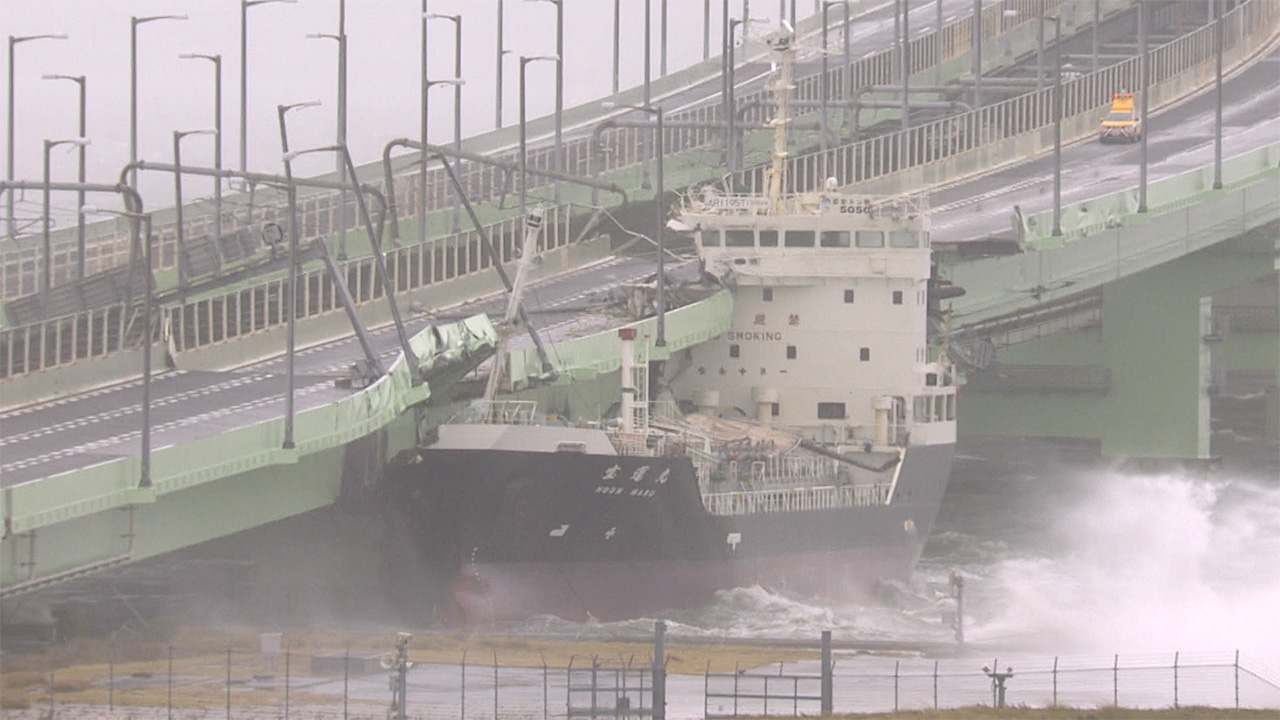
(235, 313)
(950, 148)
(623, 147)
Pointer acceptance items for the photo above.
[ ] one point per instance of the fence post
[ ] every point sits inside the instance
(346, 678)
(287, 654)
(462, 709)
(659, 670)
(706, 690)
(495, 684)
(827, 672)
(935, 684)
(544, 685)
(1236, 664)
(169, 701)
(110, 680)
(1175, 680)
(52, 665)
(896, 664)
(228, 678)
(1115, 681)
(1055, 681)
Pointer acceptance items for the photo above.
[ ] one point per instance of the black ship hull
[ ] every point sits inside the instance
(616, 537)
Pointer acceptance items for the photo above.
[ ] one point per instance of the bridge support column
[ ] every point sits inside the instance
(1139, 380)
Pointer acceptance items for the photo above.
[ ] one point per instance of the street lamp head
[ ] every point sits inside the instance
(447, 81)
(294, 154)
(57, 76)
(324, 36)
(442, 16)
(140, 20)
(297, 105)
(526, 59)
(251, 3)
(82, 142)
(201, 131)
(45, 36)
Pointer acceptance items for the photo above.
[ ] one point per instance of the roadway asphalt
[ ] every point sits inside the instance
(1179, 139)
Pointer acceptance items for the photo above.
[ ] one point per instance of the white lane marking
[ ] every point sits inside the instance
(122, 437)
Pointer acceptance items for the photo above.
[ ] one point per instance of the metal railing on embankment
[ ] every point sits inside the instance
(287, 675)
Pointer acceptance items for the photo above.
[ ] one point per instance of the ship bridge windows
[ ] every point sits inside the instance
(739, 238)
(903, 239)
(766, 294)
(835, 238)
(768, 238)
(798, 238)
(848, 296)
(897, 297)
(710, 238)
(831, 411)
(870, 238)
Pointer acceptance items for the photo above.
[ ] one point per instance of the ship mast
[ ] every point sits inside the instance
(784, 43)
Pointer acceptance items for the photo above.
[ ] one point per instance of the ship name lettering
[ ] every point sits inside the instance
(662, 477)
(611, 473)
(639, 473)
(754, 336)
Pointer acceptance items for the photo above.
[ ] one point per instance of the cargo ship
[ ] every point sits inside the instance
(806, 450)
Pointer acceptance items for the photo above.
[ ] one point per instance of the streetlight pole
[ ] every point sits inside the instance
(134, 22)
(558, 159)
(457, 105)
(422, 154)
(13, 42)
(341, 39)
(426, 88)
(244, 75)
(497, 105)
(617, 40)
(216, 59)
(706, 29)
(290, 304)
(524, 148)
(823, 89)
(648, 62)
(1145, 70)
(1217, 125)
(662, 62)
(46, 278)
(138, 218)
(1057, 123)
(660, 208)
(79, 80)
(977, 54)
(906, 64)
(177, 198)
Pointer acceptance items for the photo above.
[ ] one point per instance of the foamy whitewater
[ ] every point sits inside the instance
(1063, 554)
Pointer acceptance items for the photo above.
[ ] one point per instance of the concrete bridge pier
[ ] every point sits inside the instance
(1138, 374)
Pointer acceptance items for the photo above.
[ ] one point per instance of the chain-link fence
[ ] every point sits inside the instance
(447, 676)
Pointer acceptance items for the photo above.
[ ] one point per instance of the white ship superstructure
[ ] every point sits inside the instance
(829, 330)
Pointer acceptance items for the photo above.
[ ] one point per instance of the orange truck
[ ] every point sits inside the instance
(1122, 123)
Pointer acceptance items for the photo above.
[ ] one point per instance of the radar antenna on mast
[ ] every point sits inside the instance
(783, 43)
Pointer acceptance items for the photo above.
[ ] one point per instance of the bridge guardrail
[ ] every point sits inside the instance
(1172, 193)
(319, 213)
(977, 141)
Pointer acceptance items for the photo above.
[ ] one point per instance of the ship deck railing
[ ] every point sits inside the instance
(797, 499)
(707, 201)
(498, 412)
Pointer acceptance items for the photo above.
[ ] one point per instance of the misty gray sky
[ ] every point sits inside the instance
(286, 67)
